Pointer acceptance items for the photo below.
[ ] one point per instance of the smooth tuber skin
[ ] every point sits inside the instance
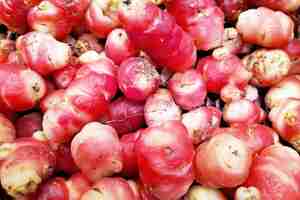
(268, 170)
(97, 151)
(231, 93)
(52, 100)
(7, 130)
(198, 192)
(77, 185)
(289, 87)
(225, 155)
(119, 47)
(101, 17)
(27, 163)
(87, 42)
(130, 166)
(220, 70)
(13, 14)
(48, 18)
(283, 5)
(203, 20)
(125, 115)
(285, 120)
(156, 32)
(28, 124)
(165, 155)
(63, 77)
(201, 122)
(265, 27)
(232, 8)
(160, 107)
(249, 114)
(188, 89)
(267, 66)
(138, 78)
(110, 188)
(41, 52)
(21, 88)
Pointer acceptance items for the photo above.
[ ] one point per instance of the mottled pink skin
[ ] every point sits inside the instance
(41, 52)
(289, 87)
(64, 160)
(52, 100)
(165, 155)
(125, 115)
(256, 136)
(63, 77)
(119, 47)
(156, 32)
(77, 185)
(265, 27)
(201, 122)
(242, 111)
(21, 88)
(161, 107)
(84, 101)
(232, 8)
(97, 151)
(47, 17)
(285, 120)
(28, 124)
(53, 189)
(138, 78)
(13, 14)
(231, 93)
(268, 170)
(110, 188)
(7, 130)
(87, 42)
(33, 158)
(74, 9)
(283, 5)
(268, 66)
(101, 17)
(293, 49)
(188, 89)
(218, 71)
(225, 155)
(15, 58)
(130, 166)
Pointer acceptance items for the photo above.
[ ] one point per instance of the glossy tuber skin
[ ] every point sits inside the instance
(283, 5)
(268, 66)
(243, 112)
(201, 19)
(7, 130)
(198, 192)
(52, 100)
(156, 32)
(268, 170)
(289, 87)
(138, 78)
(48, 18)
(83, 102)
(285, 120)
(42, 53)
(165, 155)
(119, 47)
(63, 77)
(232, 8)
(188, 89)
(27, 163)
(101, 17)
(225, 155)
(97, 151)
(265, 27)
(87, 42)
(125, 115)
(21, 88)
(110, 188)
(130, 166)
(220, 70)
(13, 14)
(201, 122)
(160, 107)
(28, 124)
